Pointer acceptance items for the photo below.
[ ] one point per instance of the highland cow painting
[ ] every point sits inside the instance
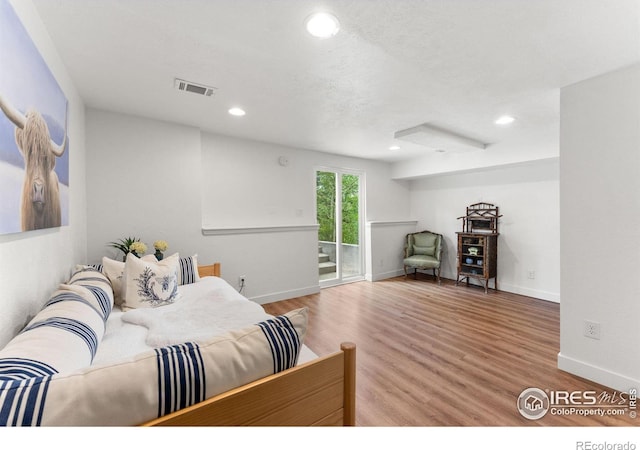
(34, 156)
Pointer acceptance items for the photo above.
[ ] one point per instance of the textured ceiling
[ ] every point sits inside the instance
(395, 64)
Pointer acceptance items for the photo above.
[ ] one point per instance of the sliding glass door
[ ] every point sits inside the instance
(339, 215)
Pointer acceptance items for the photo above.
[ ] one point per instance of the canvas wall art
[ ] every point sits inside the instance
(34, 146)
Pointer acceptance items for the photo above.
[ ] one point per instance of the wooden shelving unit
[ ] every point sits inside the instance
(477, 256)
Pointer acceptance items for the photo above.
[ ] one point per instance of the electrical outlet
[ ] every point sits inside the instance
(242, 280)
(532, 274)
(592, 329)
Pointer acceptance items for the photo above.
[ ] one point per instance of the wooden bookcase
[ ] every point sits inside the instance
(477, 255)
(478, 258)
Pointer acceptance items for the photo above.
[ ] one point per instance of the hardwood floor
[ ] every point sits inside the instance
(430, 355)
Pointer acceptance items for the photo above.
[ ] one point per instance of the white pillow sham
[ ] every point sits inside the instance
(114, 270)
(148, 284)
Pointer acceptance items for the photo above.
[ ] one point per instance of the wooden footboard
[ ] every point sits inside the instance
(320, 392)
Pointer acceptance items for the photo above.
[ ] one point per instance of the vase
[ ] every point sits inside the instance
(124, 258)
(158, 254)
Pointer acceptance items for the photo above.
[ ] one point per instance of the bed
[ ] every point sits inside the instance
(120, 386)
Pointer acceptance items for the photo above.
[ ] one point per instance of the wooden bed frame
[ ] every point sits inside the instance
(320, 392)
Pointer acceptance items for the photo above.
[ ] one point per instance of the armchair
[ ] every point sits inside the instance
(423, 251)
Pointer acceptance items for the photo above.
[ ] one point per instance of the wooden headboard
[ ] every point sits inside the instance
(212, 270)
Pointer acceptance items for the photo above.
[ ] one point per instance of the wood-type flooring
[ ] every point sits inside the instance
(430, 355)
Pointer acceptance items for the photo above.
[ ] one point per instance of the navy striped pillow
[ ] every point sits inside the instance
(188, 270)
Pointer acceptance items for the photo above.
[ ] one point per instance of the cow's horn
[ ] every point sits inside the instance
(56, 149)
(12, 114)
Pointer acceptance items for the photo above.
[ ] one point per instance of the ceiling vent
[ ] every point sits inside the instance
(188, 86)
(438, 138)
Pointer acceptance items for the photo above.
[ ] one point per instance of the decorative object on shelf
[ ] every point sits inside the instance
(160, 246)
(124, 245)
(481, 218)
(478, 245)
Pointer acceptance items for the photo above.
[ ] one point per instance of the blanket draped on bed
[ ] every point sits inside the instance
(207, 308)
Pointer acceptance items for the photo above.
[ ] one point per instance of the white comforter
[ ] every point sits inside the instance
(207, 308)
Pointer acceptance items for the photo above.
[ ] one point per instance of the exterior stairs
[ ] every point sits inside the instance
(324, 264)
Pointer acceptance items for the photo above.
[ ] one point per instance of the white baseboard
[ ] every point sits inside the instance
(384, 275)
(535, 293)
(285, 295)
(597, 374)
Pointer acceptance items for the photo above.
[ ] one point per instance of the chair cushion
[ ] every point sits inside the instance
(422, 262)
(425, 239)
(428, 251)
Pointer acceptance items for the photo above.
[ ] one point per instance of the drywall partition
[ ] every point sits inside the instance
(600, 228)
(494, 156)
(386, 240)
(528, 198)
(33, 263)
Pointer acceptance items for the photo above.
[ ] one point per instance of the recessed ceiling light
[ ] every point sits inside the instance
(237, 112)
(394, 148)
(505, 120)
(322, 25)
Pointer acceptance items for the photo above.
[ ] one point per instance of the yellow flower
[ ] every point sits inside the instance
(138, 247)
(160, 245)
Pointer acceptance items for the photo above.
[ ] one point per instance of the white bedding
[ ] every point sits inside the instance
(205, 309)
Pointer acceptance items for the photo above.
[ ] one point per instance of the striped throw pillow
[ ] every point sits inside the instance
(188, 270)
(65, 334)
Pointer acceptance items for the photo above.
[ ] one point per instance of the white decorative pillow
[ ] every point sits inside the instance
(188, 270)
(150, 284)
(114, 270)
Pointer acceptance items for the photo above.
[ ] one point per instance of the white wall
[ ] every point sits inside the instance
(32, 264)
(244, 186)
(159, 180)
(260, 192)
(143, 180)
(600, 227)
(385, 241)
(528, 198)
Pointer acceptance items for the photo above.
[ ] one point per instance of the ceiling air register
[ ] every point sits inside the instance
(196, 88)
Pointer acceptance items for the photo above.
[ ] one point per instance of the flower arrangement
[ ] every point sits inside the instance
(124, 245)
(160, 247)
(135, 246)
(138, 248)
